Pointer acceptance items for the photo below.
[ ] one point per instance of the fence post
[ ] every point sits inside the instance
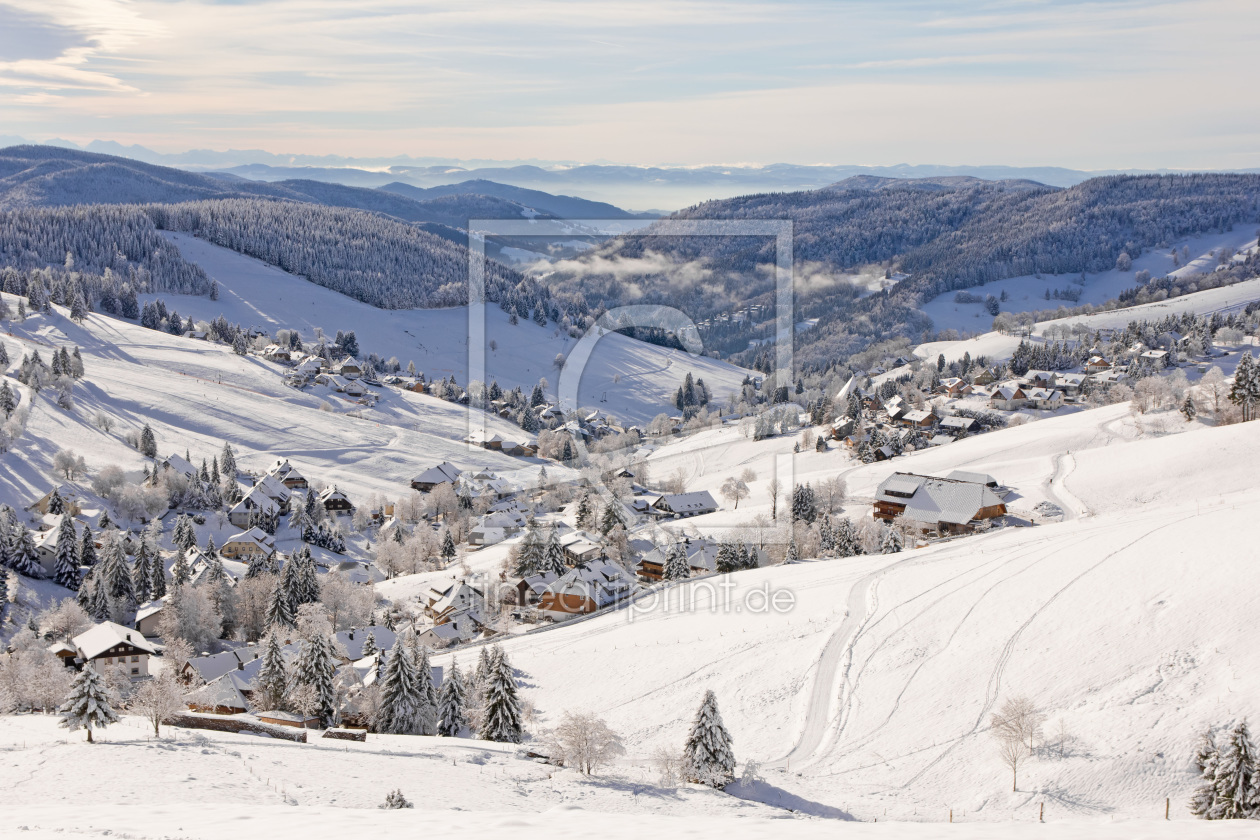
(1041, 817)
(1167, 806)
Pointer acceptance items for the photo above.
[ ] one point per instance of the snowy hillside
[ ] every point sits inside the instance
(629, 379)
(1129, 622)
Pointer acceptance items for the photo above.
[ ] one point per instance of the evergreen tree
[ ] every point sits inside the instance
(448, 547)
(1237, 777)
(142, 571)
(1188, 409)
(676, 567)
(847, 539)
(501, 713)
(826, 535)
(793, 553)
(369, 645)
(804, 507)
(707, 756)
(427, 711)
(727, 558)
(22, 556)
(148, 443)
(553, 556)
(317, 667)
(104, 521)
(611, 518)
(451, 720)
(1204, 804)
(585, 513)
(87, 705)
(400, 698)
(280, 609)
(66, 571)
(529, 554)
(1245, 392)
(890, 541)
(8, 401)
(117, 575)
(271, 686)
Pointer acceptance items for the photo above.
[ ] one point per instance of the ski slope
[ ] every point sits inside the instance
(631, 380)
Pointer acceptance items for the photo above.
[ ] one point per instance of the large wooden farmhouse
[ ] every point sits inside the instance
(955, 504)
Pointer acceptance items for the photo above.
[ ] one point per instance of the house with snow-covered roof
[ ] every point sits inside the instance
(1008, 397)
(585, 589)
(443, 473)
(249, 544)
(276, 490)
(349, 368)
(948, 505)
(108, 646)
(287, 474)
(254, 501)
(682, 504)
(334, 501)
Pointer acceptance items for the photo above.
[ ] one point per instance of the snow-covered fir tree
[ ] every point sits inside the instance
(1237, 776)
(1205, 802)
(707, 756)
(280, 612)
(66, 570)
(426, 693)
(148, 442)
(400, 695)
(88, 704)
(316, 667)
(369, 645)
(451, 702)
(890, 541)
(585, 512)
(553, 556)
(271, 686)
(87, 547)
(676, 566)
(21, 550)
(119, 586)
(501, 711)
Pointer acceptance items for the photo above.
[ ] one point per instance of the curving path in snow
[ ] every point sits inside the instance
(1057, 492)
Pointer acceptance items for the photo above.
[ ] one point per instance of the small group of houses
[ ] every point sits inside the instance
(457, 610)
(498, 443)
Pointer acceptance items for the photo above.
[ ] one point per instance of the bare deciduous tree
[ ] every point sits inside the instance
(583, 742)
(157, 700)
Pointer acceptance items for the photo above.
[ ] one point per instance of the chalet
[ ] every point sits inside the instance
(683, 504)
(954, 387)
(1158, 357)
(843, 427)
(1044, 398)
(1008, 397)
(255, 501)
(894, 407)
(224, 695)
(1042, 378)
(940, 439)
(65, 652)
(275, 490)
(334, 501)
(701, 559)
(585, 589)
(109, 646)
(462, 627)
(309, 366)
(244, 663)
(918, 419)
(884, 453)
(580, 547)
(349, 368)
(1097, 364)
(1108, 377)
(69, 501)
(987, 376)
(948, 505)
(442, 602)
(276, 353)
(288, 475)
(46, 547)
(529, 589)
(247, 545)
(496, 527)
(954, 425)
(1070, 383)
(179, 466)
(443, 473)
(148, 616)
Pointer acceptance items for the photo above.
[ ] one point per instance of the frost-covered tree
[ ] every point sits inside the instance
(707, 756)
(158, 699)
(451, 702)
(66, 571)
(280, 612)
(271, 685)
(400, 691)
(369, 645)
(88, 704)
(501, 711)
(316, 667)
(148, 442)
(676, 566)
(553, 556)
(117, 575)
(22, 557)
(1237, 777)
(1205, 803)
(427, 710)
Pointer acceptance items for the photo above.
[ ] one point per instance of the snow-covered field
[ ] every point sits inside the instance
(1027, 293)
(628, 379)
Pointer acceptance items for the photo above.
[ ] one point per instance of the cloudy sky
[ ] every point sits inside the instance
(1089, 85)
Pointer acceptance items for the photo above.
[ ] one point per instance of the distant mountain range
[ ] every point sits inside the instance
(641, 187)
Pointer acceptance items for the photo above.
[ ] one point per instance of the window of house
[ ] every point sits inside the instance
(135, 671)
(109, 660)
(135, 659)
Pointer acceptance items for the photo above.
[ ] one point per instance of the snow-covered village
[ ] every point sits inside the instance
(409, 423)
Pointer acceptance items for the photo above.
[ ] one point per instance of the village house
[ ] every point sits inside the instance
(69, 501)
(442, 602)
(288, 475)
(585, 589)
(276, 353)
(678, 505)
(1042, 378)
(955, 425)
(247, 545)
(224, 695)
(1097, 364)
(579, 547)
(178, 465)
(528, 590)
(1008, 397)
(349, 368)
(276, 491)
(108, 646)
(462, 627)
(1044, 398)
(334, 501)
(954, 387)
(918, 419)
(443, 473)
(986, 376)
(253, 501)
(148, 616)
(497, 526)
(946, 505)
